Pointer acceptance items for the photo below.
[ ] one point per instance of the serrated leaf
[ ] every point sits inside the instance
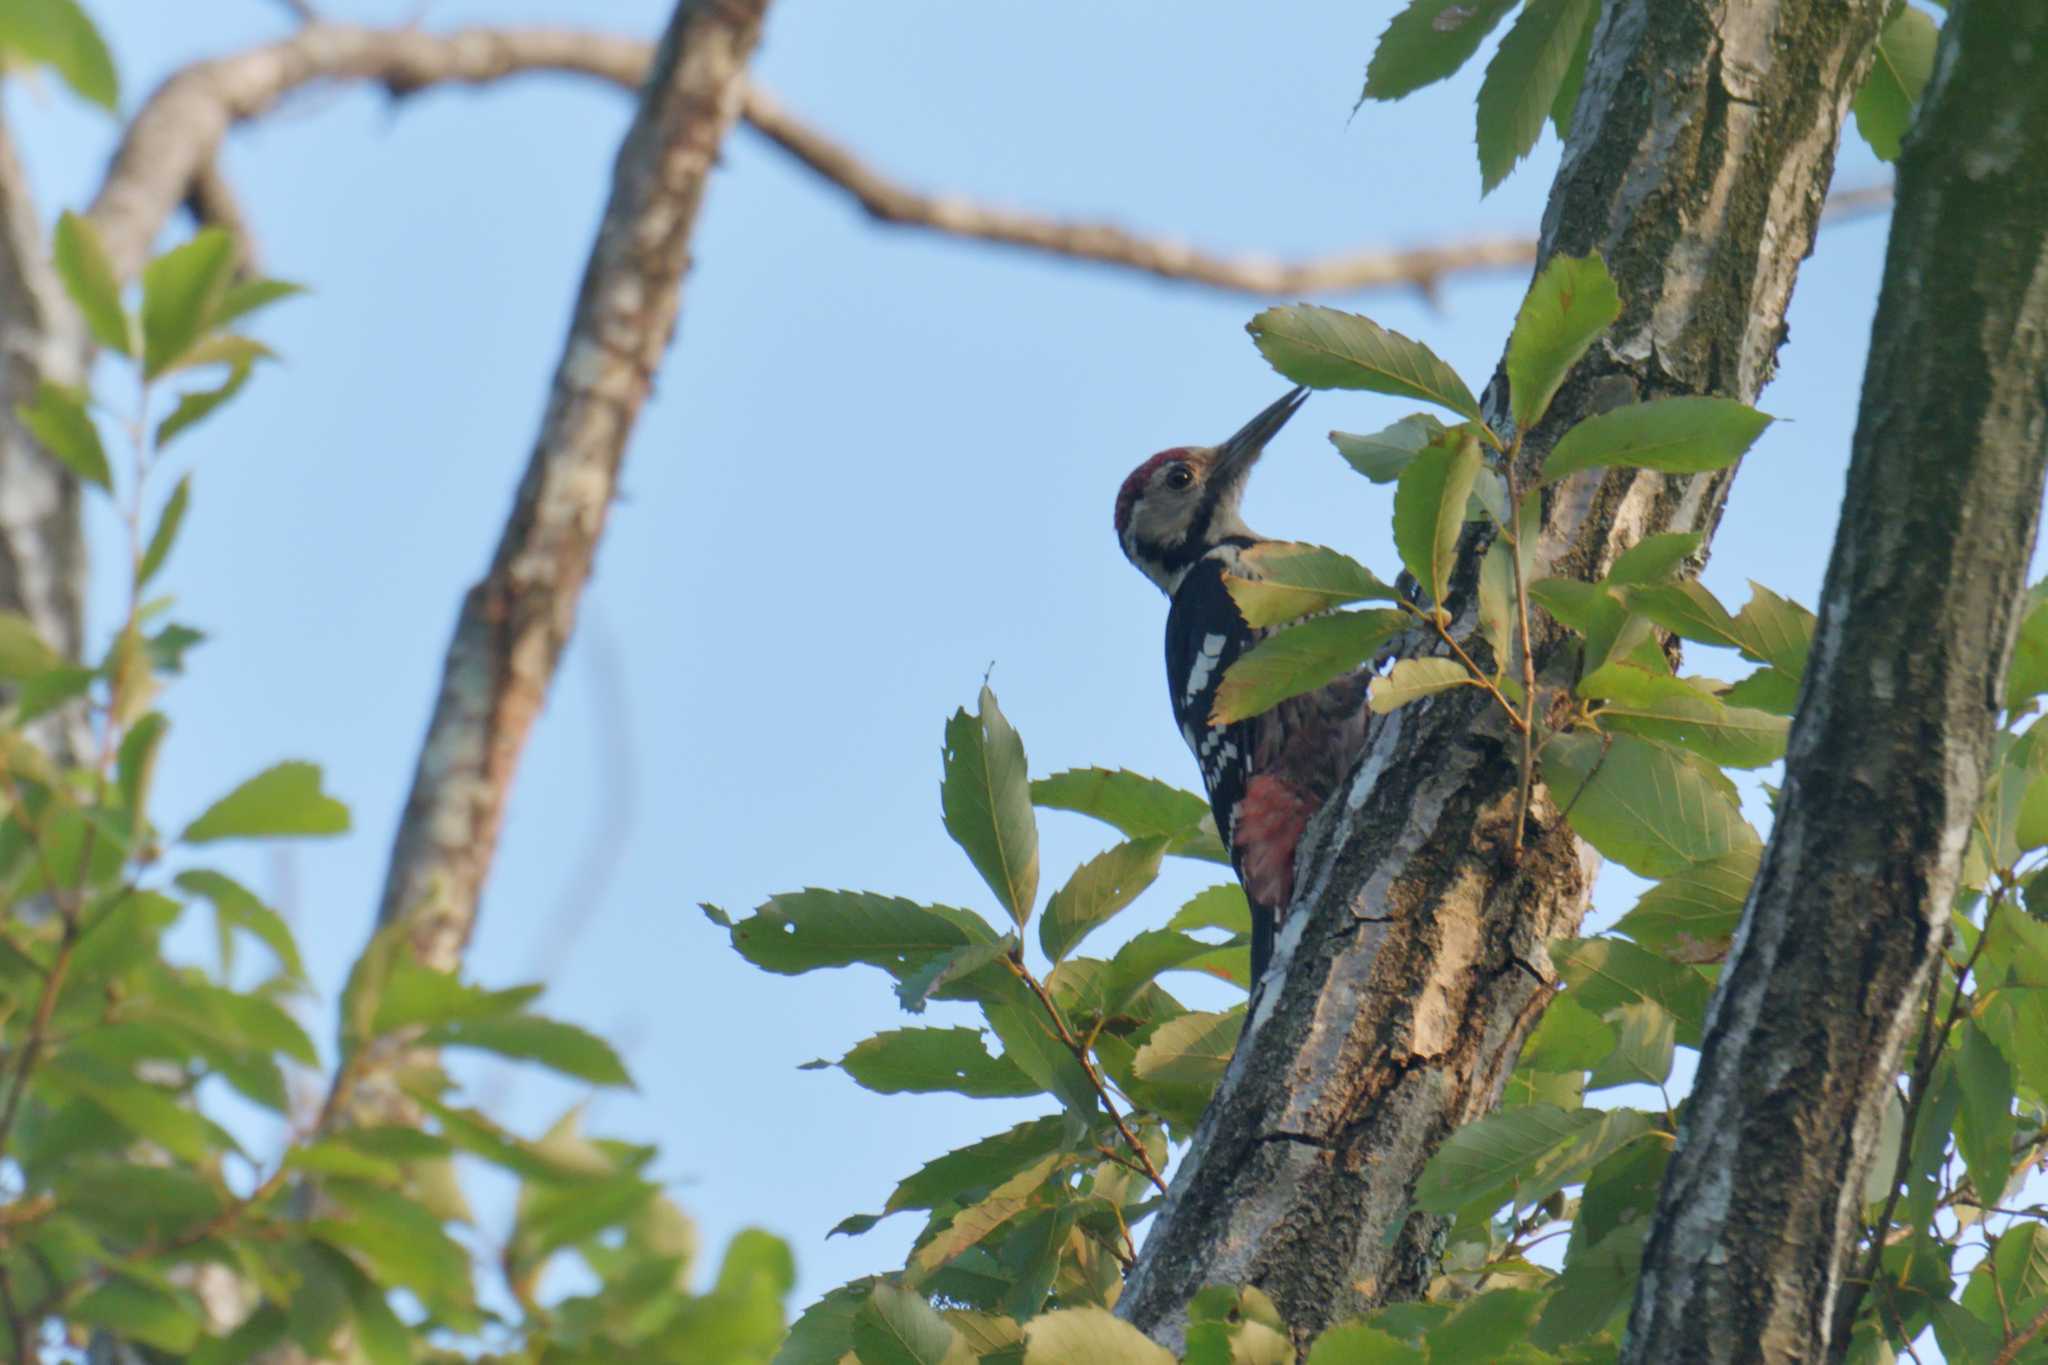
(1642, 805)
(1687, 610)
(1099, 888)
(1644, 1033)
(1220, 907)
(560, 1047)
(61, 425)
(1654, 558)
(801, 931)
(1660, 707)
(1089, 1336)
(283, 801)
(60, 35)
(1522, 1156)
(1691, 916)
(166, 533)
(1137, 807)
(1302, 658)
(1571, 304)
(1565, 106)
(1413, 679)
(970, 1172)
(1192, 1050)
(1776, 630)
(898, 1327)
(1671, 435)
(1033, 1044)
(1494, 1326)
(1594, 1289)
(986, 798)
(975, 1222)
(1898, 77)
(1984, 1121)
(933, 1060)
(1605, 974)
(1428, 41)
(1429, 509)
(196, 405)
(1569, 1037)
(89, 276)
(1294, 580)
(1328, 349)
(1382, 455)
(943, 970)
(1523, 80)
(1355, 1343)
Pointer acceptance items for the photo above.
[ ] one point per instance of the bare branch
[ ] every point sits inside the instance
(212, 202)
(515, 622)
(178, 131)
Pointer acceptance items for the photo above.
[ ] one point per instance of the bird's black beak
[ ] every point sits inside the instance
(1235, 457)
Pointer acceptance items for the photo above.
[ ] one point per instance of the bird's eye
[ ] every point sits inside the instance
(1177, 476)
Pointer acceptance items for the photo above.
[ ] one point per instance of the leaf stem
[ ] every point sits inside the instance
(1479, 677)
(1145, 1162)
(1513, 532)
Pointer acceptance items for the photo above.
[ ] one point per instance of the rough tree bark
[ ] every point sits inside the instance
(1413, 964)
(1761, 1206)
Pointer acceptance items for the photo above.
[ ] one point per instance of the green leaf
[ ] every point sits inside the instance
(823, 1334)
(1137, 807)
(969, 1173)
(560, 1047)
(23, 653)
(1645, 1034)
(58, 34)
(136, 1310)
(237, 907)
(1569, 1037)
(970, 1225)
(2027, 677)
(1428, 41)
(801, 931)
(1383, 455)
(1661, 707)
(1354, 1343)
(1298, 659)
(1654, 558)
(1099, 888)
(1493, 1326)
(986, 797)
(1566, 104)
(1294, 580)
(59, 422)
(1523, 80)
(898, 1327)
(1691, 916)
(1641, 804)
(1522, 1156)
(1192, 1050)
(941, 972)
(380, 1335)
(1596, 1287)
(144, 1110)
(1429, 509)
(193, 407)
(1089, 1336)
(1572, 302)
(181, 297)
(402, 1243)
(1607, 974)
(1034, 1046)
(89, 277)
(1413, 679)
(1327, 349)
(279, 802)
(933, 1060)
(1984, 1122)
(1898, 76)
(1672, 435)
(248, 296)
(166, 533)
(1220, 907)
(1776, 630)
(1497, 614)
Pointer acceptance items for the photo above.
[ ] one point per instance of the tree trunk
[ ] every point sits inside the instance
(1414, 961)
(1761, 1206)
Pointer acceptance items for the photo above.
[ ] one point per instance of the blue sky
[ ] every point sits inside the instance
(876, 463)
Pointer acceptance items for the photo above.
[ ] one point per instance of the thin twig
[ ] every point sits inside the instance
(1080, 1052)
(1478, 674)
(2015, 1344)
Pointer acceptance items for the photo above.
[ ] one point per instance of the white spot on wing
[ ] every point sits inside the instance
(1205, 664)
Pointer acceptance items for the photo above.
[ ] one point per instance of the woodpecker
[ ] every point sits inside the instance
(1177, 520)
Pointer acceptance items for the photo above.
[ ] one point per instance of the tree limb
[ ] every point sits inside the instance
(515, 622)
(1763, 1201)
(1410, 966)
